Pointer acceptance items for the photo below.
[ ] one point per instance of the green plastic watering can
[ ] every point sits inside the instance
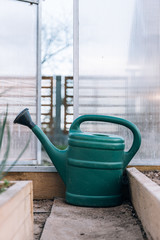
(92, 166)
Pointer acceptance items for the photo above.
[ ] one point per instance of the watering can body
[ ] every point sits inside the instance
(94, 170)
(93, 164)
(96, 162)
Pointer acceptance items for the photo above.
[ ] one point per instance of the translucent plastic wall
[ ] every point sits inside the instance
(119, 68)
(18, 72)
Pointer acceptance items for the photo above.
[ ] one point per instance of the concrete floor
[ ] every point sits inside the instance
(67, 222)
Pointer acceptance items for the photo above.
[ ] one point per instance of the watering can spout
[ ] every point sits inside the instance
(57, 156)
(24, 118)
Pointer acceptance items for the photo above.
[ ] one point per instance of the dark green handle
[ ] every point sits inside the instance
(136, 133)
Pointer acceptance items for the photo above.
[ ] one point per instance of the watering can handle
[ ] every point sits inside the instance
(136, 133)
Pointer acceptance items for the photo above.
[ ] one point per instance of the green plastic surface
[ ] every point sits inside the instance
(93, 164)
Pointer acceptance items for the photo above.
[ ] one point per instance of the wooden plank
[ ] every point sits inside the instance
(15, 218)
(10, 199)
(47, 77)
(145, 197)
(14, 213)
(20, 189)
(46, 185)
(26, 230)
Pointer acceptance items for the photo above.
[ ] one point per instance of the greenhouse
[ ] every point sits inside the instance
(80, 122)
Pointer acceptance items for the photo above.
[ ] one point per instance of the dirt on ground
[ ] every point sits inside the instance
(41, 209)
(153, 175)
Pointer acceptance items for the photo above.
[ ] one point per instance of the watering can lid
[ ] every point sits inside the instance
(95, 140)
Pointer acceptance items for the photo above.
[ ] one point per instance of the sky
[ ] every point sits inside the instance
(104, 33)
(55, 13)
(17, 38)
(56, 9)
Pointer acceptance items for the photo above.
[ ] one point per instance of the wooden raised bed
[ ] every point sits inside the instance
(145, 197)
(16, 212)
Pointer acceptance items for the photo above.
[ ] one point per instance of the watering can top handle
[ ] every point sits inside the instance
(136, 133)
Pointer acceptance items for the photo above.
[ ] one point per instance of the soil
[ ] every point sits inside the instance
(41, 209)
(4, 186)
(153, 175)
(126, 213)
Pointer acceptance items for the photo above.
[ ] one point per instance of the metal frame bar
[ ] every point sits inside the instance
(32, 169)
(76, 58)
(39, 77)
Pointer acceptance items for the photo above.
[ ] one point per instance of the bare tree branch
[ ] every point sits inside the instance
(49, 56)
(55, 40)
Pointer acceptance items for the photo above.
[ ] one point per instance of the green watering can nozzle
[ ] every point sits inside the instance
(57, 157)
(24, 118)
